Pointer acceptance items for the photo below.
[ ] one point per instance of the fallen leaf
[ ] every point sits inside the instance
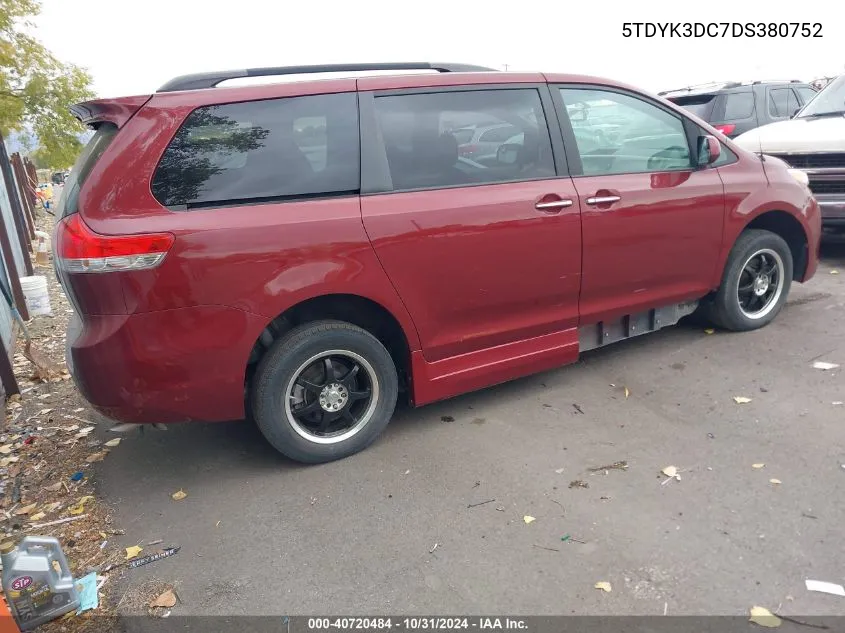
(6, 449)
(710, 330)
(132, 552)
(179, 495)
(37, 516)
(52, 507)
(26, 509)
(166, 600)
(559, 470)
(834, 272)
(8, 460)
(671, 471)
(604, 586)
(741, 400)
(79, 506)
(758, 466)
(528, 519)
(70, 429)
(96, 457)
(114, 442)
(45, 411)
(54, 487)
(763, 617)
(824, 366)
(627, 392)
(775, 481)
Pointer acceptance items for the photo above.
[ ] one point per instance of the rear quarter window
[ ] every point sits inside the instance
(262, 151)
(94, 149)
(738, 105)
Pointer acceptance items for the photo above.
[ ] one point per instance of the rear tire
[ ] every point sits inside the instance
(324, 391)
(755, 283)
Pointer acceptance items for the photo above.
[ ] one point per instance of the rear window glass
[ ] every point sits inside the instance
(262, 151)
(738, 105)
(782, 102)
(98, 143)
(698, 105)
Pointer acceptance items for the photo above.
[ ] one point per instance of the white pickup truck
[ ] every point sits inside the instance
(814, 142)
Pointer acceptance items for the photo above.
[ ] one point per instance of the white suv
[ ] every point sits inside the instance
(814, 142)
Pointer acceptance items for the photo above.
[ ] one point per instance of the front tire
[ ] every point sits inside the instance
(324, 391)
(755, 283)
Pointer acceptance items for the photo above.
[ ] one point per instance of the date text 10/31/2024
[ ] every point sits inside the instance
(416, 624)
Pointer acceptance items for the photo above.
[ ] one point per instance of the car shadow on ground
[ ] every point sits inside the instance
(833, 249)
(197, 450)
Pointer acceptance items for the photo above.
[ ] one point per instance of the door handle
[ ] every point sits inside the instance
(553, 205)
(603, 199)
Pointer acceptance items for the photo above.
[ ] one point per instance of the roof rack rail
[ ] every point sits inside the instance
(199, 81)
(715, 85)
(777, 81)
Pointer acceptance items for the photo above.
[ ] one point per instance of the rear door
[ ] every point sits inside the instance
(651, 222)
(481, 253)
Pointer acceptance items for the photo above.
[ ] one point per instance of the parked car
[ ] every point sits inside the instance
(734, 108)
(814, 142)
(481, 143)
(217, 269)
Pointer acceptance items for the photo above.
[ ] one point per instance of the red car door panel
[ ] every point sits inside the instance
(483, 250)
(651, 220)
(657, 244)
(480, 266)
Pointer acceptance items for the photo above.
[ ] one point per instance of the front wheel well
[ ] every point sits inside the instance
(354, 309)
(786, 226)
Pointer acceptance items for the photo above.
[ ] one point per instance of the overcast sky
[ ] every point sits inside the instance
(134, 47)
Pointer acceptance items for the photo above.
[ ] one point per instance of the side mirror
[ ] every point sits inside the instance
(709, 150)
(794, 112)
(508, 153)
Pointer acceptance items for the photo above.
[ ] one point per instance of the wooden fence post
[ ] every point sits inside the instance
(5, 243)
(27, 192)
(20, 218)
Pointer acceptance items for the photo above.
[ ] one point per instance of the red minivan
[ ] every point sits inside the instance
(301, 253)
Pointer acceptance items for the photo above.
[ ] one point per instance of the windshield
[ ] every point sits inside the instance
(830, 100)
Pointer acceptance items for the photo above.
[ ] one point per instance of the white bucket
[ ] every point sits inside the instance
(35, 292)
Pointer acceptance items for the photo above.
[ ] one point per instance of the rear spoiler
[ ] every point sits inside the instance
(117, 111)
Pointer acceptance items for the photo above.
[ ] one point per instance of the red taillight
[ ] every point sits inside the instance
(81, 250)
(726, 128)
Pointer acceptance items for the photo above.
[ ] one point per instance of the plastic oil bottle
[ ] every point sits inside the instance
(37, 581)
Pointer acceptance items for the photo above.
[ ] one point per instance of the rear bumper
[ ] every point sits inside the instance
(176, 365)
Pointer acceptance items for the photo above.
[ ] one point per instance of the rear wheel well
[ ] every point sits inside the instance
(793, 234)
(364, 313)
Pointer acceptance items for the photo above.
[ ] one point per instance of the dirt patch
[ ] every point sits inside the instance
(815, 296)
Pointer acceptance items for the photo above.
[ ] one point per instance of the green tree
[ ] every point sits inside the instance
(36, 89)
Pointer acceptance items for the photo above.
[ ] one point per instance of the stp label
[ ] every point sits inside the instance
(21, 583)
